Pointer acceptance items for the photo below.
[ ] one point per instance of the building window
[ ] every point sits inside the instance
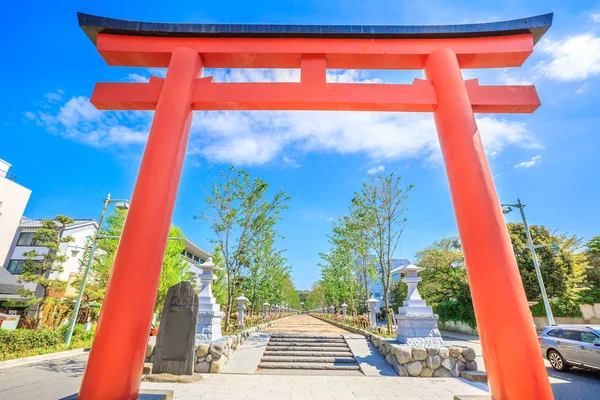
(377, 295)
(15, 267)
(26, 239)
(197, 259)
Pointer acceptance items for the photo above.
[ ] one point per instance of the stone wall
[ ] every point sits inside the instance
(457, 326)
(418, 361)
(211, 357)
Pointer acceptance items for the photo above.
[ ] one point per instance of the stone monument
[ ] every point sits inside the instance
(208, 327)
(176, 344)
(417, 324)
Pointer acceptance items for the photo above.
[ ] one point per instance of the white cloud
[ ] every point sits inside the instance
(595, 16)
(374, 170)
(573, 58)
(509, 78)
(136, 78)
(259, 137)
(54, 97)
(79, 120)
(528, 164)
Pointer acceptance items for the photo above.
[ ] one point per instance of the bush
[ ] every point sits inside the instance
(456, 311)
(564, 307)
(27, 342)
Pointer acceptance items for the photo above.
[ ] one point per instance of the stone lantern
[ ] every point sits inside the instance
(332, 309)
(417, 324)
(344, 309)
(241, 305)
(372, 304)
(265, 310)
(208, 327)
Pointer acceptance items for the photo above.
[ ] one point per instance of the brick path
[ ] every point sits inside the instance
(304, 324)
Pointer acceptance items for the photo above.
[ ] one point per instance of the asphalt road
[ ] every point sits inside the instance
(576, 384)
(44, 380)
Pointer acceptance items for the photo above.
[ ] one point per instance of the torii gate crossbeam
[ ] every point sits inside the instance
(505, 324)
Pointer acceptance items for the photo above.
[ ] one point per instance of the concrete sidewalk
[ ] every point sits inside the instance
(278, 387)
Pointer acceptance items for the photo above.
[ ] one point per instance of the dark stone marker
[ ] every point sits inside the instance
(176, 341)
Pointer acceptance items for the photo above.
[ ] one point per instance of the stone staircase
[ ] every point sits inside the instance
(294, 352)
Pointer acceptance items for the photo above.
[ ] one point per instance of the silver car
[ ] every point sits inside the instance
(567, 346)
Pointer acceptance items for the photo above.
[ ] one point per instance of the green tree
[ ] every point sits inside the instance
(239, 210)
(590, 292)
(219, 287)
(175, 269)
(41, 268)
(381, 200)
(316, 297)
(561, 272)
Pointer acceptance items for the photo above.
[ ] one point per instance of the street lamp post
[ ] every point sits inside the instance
(120, 204)
(506, 208)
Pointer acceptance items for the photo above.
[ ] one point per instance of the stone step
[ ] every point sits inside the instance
(300, 359)
(309, 353)
(304, 348)
(307, 344)
(306, 340)
(300, 336)
(297, 365)
(474, 376)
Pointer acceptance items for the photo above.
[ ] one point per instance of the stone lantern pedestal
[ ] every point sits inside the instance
(208, 327)
(417, 324)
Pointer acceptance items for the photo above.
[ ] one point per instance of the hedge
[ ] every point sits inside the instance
(26, 342)
(456, 311)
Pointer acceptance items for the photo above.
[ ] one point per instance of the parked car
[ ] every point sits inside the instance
(567, 346)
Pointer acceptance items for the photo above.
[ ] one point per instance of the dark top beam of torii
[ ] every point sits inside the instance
(314, 49)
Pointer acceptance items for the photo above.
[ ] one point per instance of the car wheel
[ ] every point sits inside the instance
(557, 361)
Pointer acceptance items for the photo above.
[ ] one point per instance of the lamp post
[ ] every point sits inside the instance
(120, 204)
(371, 303)
(506, 208)
(241, 304)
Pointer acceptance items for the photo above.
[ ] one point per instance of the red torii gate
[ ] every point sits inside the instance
(512, 356)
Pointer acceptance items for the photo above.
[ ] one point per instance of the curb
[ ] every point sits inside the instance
(42, 357)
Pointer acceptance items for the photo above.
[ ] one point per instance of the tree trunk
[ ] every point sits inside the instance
(40, 311)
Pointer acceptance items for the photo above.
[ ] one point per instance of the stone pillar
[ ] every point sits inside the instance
(372, 304)
(208, 326)
(265, 310)
(241, 305)
(417, 324)
(344, 309)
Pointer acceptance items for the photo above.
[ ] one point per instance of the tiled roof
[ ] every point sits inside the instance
(37, 223)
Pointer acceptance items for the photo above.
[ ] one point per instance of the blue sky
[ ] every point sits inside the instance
(71, 155)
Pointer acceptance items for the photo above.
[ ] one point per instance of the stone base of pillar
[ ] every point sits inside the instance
(419, 330)
(208, 328)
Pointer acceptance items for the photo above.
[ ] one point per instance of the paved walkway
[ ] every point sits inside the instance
(278, 387)
(304, 324)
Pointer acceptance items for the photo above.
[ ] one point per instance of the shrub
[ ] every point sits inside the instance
(563, 307)
(456, 311)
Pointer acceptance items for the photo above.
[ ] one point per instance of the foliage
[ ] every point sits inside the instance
(243, 217)
(563, 307)
(398, 293)
(25, 342)
(41, 268)
(219, 287)
(174, 270)
(455, 311)
(316, 297)
(590, 286)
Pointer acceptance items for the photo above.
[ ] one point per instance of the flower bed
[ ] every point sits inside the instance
(416, 361)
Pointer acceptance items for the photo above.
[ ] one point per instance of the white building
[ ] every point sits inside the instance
(13, 200)
(82, 231)
(195, 256)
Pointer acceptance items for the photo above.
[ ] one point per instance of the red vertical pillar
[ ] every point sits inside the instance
(511, 352)
(116, 361)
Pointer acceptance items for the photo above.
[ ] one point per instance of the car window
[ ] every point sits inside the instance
(571, 335)
(553, 333)
(588, 337)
